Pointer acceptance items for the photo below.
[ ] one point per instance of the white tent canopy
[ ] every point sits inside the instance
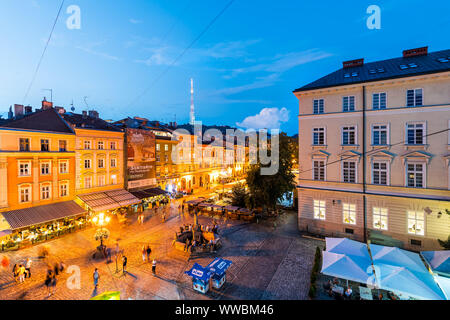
(348, 247)
(397, 257)
(342, 266)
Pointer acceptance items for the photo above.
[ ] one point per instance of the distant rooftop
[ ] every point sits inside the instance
(86, 121)
(46, 120)
(413, 63)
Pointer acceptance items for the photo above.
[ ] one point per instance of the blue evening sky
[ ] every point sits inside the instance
(251, 59)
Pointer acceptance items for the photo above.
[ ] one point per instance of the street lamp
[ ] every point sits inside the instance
(101, 220)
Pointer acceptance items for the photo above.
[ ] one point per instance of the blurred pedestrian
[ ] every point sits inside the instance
(53, 283)
(28, 267)
(144, 253)
(21, 273)
(96, 277)
(154, 266)
(124, 264)
(48, 280)
(148, 252)
(15, 271)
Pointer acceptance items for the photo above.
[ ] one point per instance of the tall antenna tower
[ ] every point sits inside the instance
(192, 114)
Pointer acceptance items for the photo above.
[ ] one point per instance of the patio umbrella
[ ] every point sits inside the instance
(348, 247)
(439, 261)
(444, 284)
(418, 285)
(109, 295)
(346, 267)
(397, 257)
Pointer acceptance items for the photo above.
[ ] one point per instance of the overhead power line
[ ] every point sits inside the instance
(210, 24)
(43, 53)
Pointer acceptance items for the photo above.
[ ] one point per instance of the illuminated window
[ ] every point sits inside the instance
(380, 218)
(113, 179)
(349, 213)
(24, 194)
(319, 210)
(416, 223)
(45, 192)
(166, 147)
(158, 147)
(87, 182)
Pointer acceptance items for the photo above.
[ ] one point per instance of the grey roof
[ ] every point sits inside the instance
(88, 122)
(385, 69)
(47, 120)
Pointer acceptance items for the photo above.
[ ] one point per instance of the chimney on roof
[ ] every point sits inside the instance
(46, 104)
(423, 51)
(353, 63)
(28, 110)
(93, 114)
(18, 110)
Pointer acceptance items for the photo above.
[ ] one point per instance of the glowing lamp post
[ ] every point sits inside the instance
(101, 220)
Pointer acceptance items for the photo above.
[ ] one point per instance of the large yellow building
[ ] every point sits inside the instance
(374, 151)
(37, 169)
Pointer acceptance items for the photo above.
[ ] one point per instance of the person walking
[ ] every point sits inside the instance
(28, 267)
(48, 281)
(124, 264)
(21, 273)
(154, 267)
(53, 283)
(15, 271)
(144, 253)
(96, 277)
(148, 252)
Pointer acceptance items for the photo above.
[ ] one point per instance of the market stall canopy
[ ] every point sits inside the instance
(418, 285)
(231, 208)
(153, 192)
(109, 200)
(19, 219)
(343, 266)
(439, 261)
(397, 257)
(140, 194)
(219, 266)
(199, 273)
(444, 284)
(348, 247)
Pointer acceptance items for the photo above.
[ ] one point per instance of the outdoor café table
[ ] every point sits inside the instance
(365, 293)
(338, 289)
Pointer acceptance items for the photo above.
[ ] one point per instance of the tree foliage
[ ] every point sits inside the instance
(266, 190)
(239, 196)
(445, 243)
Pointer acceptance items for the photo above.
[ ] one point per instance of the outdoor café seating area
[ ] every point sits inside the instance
(203, 238)
(354, 270)
(205, 208)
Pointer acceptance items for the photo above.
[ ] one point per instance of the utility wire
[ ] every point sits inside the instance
(43, 53)
(367, 153)
(210, 24)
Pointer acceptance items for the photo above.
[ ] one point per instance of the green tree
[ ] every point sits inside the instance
(445, 243)
(239, 195)
(266, 190)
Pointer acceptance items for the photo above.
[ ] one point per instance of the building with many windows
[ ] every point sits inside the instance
(374, 148)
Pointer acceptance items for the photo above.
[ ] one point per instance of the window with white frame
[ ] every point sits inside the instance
(25, 194)
(348, 103)
(318, 136)
(166, 147)
(24, 168)
(87, 163)
(45, 145)
(45, 168)
(113, 179)
(319, 170)
(416, 223)
(416, 175)
(415, 133)
(349, 135)
(319, 209)
(64, 189)
(24, 144)
(349, 171)
(318, 106)
(113, 145)
(101, 145)
(101, 163)
(380, 218)
(87, 182)
(379, 101)
(414, 98)
(380, 173)
(158, 147)
(349, 213)
(113, 162)
(87, 145)
(45, 191)
(101, 181)
(380, 135)
(63, 167)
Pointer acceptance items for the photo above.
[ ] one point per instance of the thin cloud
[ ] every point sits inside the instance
(90, 49)
(135, 21)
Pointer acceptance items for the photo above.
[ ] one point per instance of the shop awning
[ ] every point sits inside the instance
(156, 192)
(141, 194)
(23, 218)
(109, 200)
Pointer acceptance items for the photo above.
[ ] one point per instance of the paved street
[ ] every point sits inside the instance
(268, 262)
